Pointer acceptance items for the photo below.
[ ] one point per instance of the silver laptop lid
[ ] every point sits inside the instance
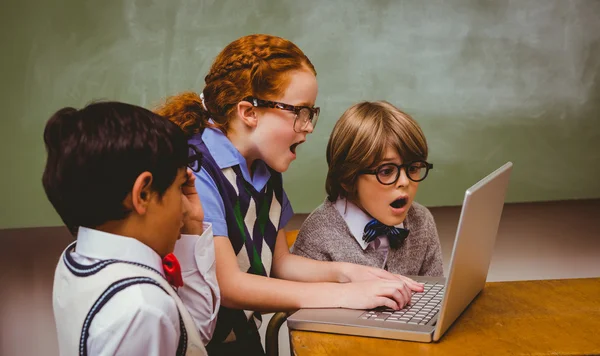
(473, 246)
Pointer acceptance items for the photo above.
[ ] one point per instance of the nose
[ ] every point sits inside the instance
(403, 180)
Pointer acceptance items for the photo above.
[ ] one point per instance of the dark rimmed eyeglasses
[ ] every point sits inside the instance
(388, 173)
(304, 114)
(194, 161)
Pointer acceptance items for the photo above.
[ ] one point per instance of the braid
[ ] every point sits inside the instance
(249, 55)
(254, 65)
(243, 61)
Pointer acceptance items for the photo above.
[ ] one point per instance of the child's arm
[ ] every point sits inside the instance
(200, 292)
(195, 251)
(243, 290)
(302, 269)
(193, 219)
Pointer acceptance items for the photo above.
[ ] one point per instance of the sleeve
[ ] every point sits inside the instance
(212, 203)
(432, 264)
(139, 320)
(286, 211)
(200, 292)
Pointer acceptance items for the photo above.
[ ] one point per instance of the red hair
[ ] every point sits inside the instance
(254, 65)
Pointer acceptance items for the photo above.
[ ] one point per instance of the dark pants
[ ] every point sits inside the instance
(248, 345)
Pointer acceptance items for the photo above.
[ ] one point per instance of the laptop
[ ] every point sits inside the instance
(434, 310)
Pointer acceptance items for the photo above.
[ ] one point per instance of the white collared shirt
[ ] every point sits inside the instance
(200, 292)
(143, 319)
(139, 320)
(356, 219)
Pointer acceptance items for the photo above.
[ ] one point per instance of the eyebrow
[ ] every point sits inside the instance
(305, 103)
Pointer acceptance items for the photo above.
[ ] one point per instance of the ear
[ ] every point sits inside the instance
(247, 112)
(141, 193)
(347, 188)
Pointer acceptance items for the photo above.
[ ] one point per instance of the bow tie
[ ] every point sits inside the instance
(172, 270)
(395, 234)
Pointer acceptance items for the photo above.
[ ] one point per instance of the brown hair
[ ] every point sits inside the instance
(254, 65)
(96, 154)
(360, 139)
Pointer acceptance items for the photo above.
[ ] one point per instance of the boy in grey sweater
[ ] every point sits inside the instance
(377, 157)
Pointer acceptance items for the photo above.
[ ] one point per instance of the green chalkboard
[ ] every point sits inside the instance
(489, 81)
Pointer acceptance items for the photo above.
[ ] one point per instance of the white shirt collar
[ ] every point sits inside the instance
(356, 219)
(103, 246)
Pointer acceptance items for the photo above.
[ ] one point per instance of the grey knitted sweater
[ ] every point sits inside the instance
(324, 236)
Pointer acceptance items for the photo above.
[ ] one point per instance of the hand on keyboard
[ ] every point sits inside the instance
(358, 273)
(394, 294)
(423, 308)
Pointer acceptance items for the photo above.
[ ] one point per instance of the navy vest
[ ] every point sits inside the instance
(252, 241)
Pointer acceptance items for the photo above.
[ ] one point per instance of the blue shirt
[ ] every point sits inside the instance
(226, 155)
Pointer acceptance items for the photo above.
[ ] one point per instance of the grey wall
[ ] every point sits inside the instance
(489, 81)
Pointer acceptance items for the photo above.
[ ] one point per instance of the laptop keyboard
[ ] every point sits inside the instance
(424, 306)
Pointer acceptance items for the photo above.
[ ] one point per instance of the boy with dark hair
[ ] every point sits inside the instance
(117, 176)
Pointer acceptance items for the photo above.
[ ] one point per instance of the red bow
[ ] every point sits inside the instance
(172, 270)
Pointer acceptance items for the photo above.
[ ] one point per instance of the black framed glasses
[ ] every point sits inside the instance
(304, 114)
(194, 161)
(389, 173)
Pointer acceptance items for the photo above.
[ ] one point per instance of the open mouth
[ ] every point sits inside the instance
(294, 146)
(399, 203)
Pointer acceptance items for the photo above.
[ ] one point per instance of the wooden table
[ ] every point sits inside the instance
(547, 317)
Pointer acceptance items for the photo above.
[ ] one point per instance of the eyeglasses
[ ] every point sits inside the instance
(304, 114)
(389, 173)
(194, 161)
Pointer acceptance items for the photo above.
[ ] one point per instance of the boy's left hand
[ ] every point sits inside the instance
(357, 273)
(193, 215)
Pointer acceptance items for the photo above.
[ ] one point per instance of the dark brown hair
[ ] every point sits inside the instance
(95, 155)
